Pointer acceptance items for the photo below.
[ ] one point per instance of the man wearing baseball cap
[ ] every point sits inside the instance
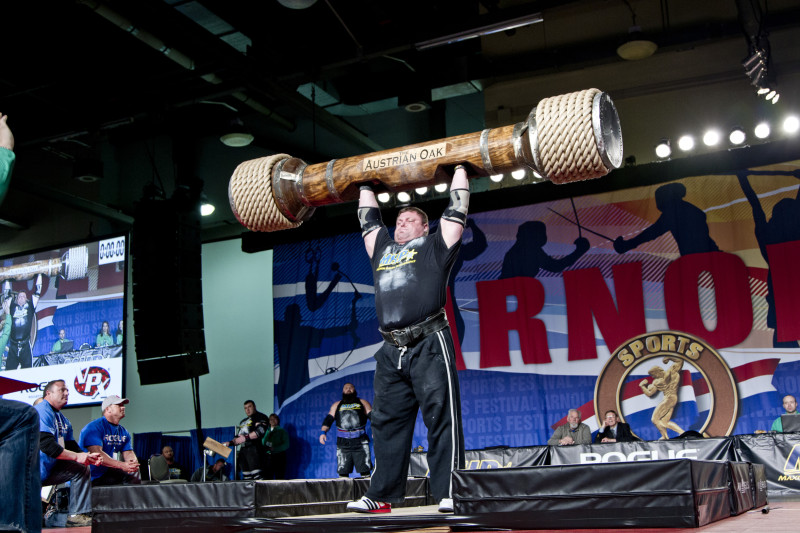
(113, 442)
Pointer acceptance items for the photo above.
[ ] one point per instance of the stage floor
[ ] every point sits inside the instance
(782, 518)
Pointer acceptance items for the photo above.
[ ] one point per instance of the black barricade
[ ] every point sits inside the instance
(780, 455)
(498, 457)
(718, 449)
(741, 489)
(758, 480)
(679, 493)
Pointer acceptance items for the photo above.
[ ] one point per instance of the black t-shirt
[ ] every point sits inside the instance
(22, 320)
(351, 416)
(411, 278)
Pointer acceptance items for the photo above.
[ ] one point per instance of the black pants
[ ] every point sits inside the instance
(252, 461)
(426, 380)
(353, 452)
(19, 354)
(276, 466)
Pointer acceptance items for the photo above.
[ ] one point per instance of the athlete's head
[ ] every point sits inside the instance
(349, 393)
(412, 223)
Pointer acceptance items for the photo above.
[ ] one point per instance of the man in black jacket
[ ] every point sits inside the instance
(252, 455)
(613, 430)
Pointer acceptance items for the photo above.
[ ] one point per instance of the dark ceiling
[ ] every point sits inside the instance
(147, 86)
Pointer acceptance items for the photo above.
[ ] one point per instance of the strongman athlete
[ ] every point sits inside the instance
(250, 431)
(22, 316)
(416, 365)
(352, 442)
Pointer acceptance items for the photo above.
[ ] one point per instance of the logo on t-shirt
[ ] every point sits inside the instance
(390, 260)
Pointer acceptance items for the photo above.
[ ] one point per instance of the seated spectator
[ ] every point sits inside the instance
(58, 346)
(176, 471)
(61, 463)
(613, 430)
(104, 337)
(573, 432)
(107, 437)
(215, 472)
(790, 406)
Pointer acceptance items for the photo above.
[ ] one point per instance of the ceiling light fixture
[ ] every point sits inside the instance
(711, 138)
(636, 46)
(791, 124)
(384, 197)
(440, 187)
(762, 130)
(236, 134)
(421, 190)
(737, 135)
(297, 4)
(206, 209)
(663, 149)
(518, 174)
(497, 178)
(87, 170)
(403, 197)
(416, 107)
(686, 143)
(525, 20)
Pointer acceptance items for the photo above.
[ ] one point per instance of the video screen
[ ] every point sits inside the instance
(63, 313)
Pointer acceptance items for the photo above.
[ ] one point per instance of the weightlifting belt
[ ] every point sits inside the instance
(407, 335)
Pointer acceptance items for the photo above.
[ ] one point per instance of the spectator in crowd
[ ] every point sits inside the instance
(573, 432)
(59, 463)
(613, 430)
(276, 441)
(215, 472)
(790, 406)
(176, 471)
(107, 437)
(104, 337)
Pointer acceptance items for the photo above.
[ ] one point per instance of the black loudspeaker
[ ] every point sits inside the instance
(167, 292)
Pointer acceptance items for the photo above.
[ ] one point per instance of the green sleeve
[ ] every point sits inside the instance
(777, 425)
(5, 333)
(7, 158)
(279, 439)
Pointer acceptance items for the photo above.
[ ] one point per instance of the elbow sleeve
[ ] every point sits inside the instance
(459, 205)
(328, 421)
(370, 219)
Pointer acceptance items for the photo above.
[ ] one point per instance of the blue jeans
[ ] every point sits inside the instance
(19, 467)
(80, 486)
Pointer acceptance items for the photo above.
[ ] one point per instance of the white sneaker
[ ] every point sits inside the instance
(446, 505)
(365, 505)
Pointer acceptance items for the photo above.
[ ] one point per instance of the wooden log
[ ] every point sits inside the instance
(565, 138)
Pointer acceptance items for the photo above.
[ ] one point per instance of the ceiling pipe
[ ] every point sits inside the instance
(180, 58)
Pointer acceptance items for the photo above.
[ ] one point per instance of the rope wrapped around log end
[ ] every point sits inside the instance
(251, 199)
(567, 139)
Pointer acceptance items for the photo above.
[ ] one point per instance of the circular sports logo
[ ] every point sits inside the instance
(665, 354)
(91, 381)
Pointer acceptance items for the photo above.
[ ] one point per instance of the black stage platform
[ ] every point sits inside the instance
(679, 493)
